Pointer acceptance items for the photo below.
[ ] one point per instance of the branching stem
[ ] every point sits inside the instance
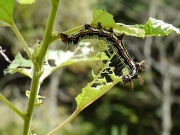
(35, 85)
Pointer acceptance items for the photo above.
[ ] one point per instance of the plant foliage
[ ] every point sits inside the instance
(37, 67)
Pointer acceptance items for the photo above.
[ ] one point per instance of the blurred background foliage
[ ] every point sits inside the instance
(151, 109)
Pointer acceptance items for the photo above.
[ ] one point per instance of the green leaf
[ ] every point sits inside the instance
(6, 11)
(90, 94)
(39, 98)
(3, 24)
(156, 27)
(59, 58)
(125, 71)
(114, 77)
(129, 30)
(153, 27)
(104, 17)
(26, 1)
(106, 20)
(21, 65)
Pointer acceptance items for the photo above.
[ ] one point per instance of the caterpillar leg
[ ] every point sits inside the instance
(141, 66)
(128, 78)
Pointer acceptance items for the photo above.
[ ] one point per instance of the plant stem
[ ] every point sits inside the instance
(48, 31)
(21, 39)
(33, 92)
(65, 122)
(35, 85)
(79, 108)
(12, 107)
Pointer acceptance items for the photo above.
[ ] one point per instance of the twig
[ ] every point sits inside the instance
(4, 55)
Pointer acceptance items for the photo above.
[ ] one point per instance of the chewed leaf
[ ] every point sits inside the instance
(153, 27)
(125, 71)
(156, 27)
(104, 17)
(90, 94)
(6, 11)
(21, 65)
(59, 59)
(106, 20)
(62, 58)
(103, 80)
(129, 30)
(114, 77)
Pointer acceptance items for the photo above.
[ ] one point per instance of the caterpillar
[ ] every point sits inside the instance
(116, 43)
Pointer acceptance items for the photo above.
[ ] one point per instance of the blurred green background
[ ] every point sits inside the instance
(151, 109)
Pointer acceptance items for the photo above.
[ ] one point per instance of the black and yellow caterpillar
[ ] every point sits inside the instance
(89, 32)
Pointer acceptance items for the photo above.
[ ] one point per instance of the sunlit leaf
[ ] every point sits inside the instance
(90, 94)
(106, 20)
(3, 24)
(38, 98)
(21, 65)
(114, 77)
(26, 1)
(96, 88)
(153, 27)
(129, 30)
(59, 58)
(104, 17)
(156, 27)
(6, 11)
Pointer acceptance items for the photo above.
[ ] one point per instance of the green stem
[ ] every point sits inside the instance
(65, 122)
(48, 31)
(35, 85)
(12, 106)
(21, 39)
(79, 109)
(33, 92)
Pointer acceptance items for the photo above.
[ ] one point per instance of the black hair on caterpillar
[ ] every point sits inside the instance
(89, 32)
